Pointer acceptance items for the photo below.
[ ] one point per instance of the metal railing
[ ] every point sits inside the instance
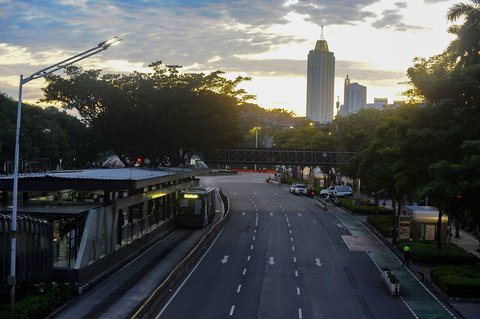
(34, 249)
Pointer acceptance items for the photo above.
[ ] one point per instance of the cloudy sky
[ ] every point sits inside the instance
(374, 41)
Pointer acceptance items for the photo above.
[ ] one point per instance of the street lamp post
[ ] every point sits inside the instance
(11, 279)
(256, 140)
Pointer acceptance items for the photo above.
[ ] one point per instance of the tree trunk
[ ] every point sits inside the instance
(394, 224)
(439, 229)
(457, 226)
(376, 203)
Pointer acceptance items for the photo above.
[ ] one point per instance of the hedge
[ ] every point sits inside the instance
(383, 223)
(458, 281)
(363, 209)
(449, 254)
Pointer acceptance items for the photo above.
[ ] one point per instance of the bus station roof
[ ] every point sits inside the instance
(99, 179)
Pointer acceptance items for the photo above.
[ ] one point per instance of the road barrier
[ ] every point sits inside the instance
(320, 203)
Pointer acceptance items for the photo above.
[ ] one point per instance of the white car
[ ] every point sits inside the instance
(299, 189)
(292, 188)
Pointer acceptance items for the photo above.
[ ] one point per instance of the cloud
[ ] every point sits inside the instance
(237, 36)
(335, 12)
(365, 72)
(393, 19)
(435, 1)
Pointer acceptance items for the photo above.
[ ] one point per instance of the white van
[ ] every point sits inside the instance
(337, 191)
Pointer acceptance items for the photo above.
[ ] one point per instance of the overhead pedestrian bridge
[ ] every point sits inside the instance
(272, 156)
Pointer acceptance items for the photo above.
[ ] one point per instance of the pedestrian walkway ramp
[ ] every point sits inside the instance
(363, 243)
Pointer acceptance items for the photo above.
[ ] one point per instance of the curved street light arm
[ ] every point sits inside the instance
(74, 59)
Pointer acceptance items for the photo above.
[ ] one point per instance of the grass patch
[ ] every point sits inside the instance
(449, 254)
(458, 281)
(383, 223)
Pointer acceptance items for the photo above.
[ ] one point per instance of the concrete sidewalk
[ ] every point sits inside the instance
(467, 241)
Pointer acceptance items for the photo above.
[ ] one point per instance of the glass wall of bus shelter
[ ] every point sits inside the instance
(67, 235)
(140, 219)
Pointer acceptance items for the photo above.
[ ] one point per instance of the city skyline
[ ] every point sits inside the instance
(374, 41)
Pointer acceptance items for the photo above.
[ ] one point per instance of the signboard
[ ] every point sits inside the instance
(404, 227)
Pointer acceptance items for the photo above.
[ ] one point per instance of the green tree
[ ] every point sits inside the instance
(466, 46)
(164, 116)
(47, 135)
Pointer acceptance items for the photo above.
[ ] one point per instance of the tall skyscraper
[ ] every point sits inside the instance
(354, 97)
(320, 82)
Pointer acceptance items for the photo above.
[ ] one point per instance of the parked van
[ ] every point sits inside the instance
(337, 191)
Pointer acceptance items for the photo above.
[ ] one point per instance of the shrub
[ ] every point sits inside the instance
(449, 254)
(38, 303)
(458, 281)
(363, 209)
(383, 223)
(393, 279)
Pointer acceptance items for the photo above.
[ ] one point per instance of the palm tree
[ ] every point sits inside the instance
(466, 46)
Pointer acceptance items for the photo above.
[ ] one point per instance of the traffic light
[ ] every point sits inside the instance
(138, 160)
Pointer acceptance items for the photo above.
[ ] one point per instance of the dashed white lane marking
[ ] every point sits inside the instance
(298, 291)
(253, 238)
(296, 273)
(232, 310)
(239, 288)
(248, 258)
(254, 231)
(290, 231)
(299, 214)
(300, 313)
(409, 308)
(251, 247)
(294, 259)
(244, 271)
(291, 239)
(271, 214)
(256, 220)
(188, 277)
(293, 248)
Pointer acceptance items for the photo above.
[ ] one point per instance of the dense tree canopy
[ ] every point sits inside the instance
(163, 116)
(46, 135)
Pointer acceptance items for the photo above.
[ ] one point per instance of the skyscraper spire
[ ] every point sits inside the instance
(321, 44)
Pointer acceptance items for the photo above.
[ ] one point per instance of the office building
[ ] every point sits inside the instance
(354, 98)
(320, 82)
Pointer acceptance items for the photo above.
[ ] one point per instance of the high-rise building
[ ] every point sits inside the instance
(320, 82)
(354, 97)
